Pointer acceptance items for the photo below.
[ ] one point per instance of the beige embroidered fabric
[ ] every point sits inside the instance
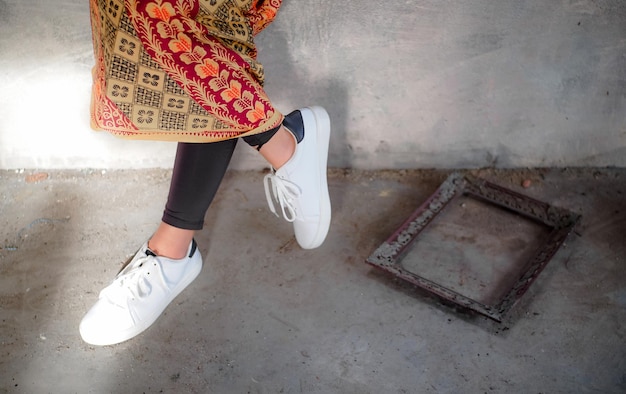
(180, 70)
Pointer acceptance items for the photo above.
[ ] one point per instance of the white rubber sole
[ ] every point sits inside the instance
(318, 116)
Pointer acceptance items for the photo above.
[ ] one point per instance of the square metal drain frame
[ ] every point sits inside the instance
(559, 223)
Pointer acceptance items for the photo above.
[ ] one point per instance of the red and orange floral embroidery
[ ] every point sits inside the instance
(208, 68)
(257, 114)
(194, 56)
(182, 43)
(233, 91)
(244, 102)
(170, 29)
(221, 77)
(260, 17)
(160, 11)
(220, 82)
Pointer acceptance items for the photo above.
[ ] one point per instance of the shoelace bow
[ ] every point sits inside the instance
(284, 192)
(132, 280)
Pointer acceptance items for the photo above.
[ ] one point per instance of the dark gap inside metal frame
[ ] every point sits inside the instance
(442, 248)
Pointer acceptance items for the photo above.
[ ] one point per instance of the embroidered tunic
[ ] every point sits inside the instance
(180, 70)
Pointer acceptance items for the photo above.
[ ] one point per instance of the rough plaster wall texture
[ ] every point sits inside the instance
(471, 83)
(441, 84)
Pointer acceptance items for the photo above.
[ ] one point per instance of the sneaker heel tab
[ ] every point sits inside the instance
(194, 246)
(295, 124)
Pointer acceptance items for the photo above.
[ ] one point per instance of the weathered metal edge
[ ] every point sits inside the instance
(389, 254)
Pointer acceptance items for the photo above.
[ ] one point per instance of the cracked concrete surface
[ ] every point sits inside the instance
(267, 317)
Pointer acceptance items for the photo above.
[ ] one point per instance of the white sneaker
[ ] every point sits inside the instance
(300, 186)
(138, 296)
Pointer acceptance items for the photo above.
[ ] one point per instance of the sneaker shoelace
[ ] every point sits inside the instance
(130, 283)
(284, 193)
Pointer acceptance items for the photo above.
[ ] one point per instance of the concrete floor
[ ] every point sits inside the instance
(267, 317)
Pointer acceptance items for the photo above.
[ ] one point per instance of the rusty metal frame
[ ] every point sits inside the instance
(560, 222)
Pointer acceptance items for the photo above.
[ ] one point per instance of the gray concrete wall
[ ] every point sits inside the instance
(408, 84)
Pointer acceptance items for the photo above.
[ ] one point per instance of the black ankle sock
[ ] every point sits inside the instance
(293, 122)
(258, 140)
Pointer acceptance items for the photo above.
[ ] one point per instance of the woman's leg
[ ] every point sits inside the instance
(198, 172)
(277, 146)
(170, 261)
(278, 150)
(165, 266)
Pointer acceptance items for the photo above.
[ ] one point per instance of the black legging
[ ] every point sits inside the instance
(198, 171)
